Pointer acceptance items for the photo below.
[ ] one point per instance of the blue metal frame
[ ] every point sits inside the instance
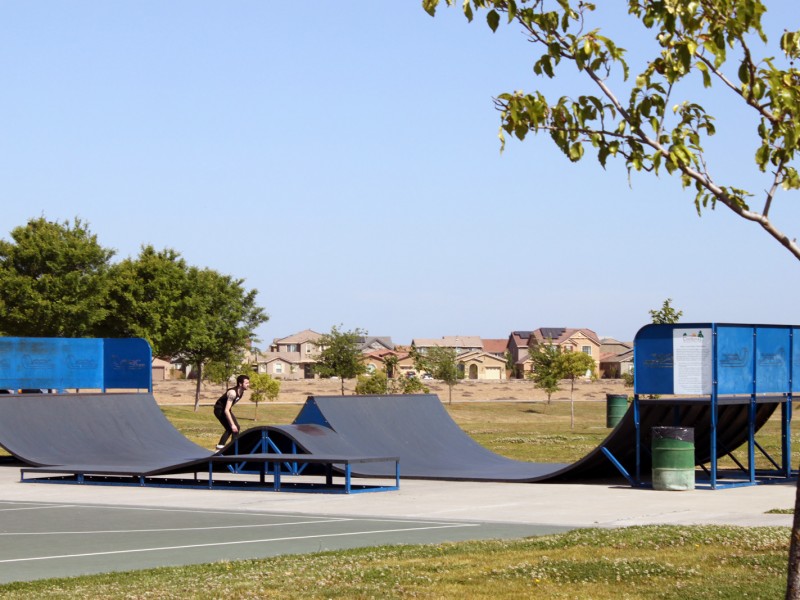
(660, 383)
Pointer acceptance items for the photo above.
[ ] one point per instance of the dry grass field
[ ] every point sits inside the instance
(296, 391)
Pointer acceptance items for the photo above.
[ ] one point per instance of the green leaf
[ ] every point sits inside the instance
(493, 19)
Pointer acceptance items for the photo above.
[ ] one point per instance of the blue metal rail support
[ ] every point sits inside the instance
(786, 415)
(713, 415)
(637, 427)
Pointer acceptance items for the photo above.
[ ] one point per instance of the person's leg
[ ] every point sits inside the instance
(238, 427)
(227, 426)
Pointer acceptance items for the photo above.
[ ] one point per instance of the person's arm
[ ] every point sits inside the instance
(228, 406)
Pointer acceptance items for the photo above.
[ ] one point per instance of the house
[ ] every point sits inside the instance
(478, 364)
(498, 347)
(291, 357)
(459, 343)
(568, 340)
(285, 365)
(379, 360)
(517, 346)
(371, 343)
(616, 358)
(162, 369)
(303, 343)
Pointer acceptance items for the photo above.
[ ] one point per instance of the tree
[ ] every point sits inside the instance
(340, 355)
(53, 280)
(372, 384)
(653, 120)
(572, 365)
(666, 315)
(441, 363)
(546, 372)
(145, 295)
(215, 317)
(263, 386)
(196, 314)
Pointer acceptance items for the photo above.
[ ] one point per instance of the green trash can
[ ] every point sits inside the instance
(616, 407)
(673, 458)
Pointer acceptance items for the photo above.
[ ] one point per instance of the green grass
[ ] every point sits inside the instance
(638, 562)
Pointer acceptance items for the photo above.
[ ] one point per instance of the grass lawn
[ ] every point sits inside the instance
(638, 562)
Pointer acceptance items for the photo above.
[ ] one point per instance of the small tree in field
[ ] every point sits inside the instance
(546, 372)
(441, 363)
(339, 355)
(572, 365)
(372, 384)
(263, 387)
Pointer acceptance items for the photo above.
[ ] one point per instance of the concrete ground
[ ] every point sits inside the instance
(444, 511)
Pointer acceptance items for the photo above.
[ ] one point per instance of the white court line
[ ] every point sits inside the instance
(164, 509)
(324, 518)
(252, 526)
(238, 542)
(48, 506)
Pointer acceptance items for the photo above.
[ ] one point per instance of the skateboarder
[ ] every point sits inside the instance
(223, 406)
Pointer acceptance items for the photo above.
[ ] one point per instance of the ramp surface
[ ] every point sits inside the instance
(115, 433)
(430, 444)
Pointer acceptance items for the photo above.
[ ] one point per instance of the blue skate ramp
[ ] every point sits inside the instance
(431, 445)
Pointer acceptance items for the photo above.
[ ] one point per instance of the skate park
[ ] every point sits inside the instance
(134, 526)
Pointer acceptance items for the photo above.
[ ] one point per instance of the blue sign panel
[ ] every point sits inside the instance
(795, 364)
(748, 359)
(735, 347)
(654, 358)
(773, 346)
(74, 363)
(128, 363)
(43, 363)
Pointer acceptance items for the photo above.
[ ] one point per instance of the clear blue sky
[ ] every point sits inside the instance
(342, 158)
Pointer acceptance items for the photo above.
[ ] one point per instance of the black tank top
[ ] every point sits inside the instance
(223, 400)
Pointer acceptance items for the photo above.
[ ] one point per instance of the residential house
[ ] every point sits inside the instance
(292, 357)
(372, 343)
(616, 358)
(162, 369)
(460, 344)
(517, 346)
(377, 360)
(478, 364)
(303, 343)
(496, 347)
(569, 340)
(286, 365)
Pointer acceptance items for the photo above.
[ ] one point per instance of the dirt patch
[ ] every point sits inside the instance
(296, 391)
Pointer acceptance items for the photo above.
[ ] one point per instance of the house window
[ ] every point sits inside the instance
(587, 350)
(293, 347)
(278, 368)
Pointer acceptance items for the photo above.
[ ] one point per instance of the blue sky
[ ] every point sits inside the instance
(343, 159)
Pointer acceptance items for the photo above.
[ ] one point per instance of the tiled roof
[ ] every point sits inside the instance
(299, 338)
(495, 346)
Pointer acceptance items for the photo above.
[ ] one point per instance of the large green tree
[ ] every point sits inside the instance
(145, 295)
(53, 280)
(339, 354)
(198, 315)
(216, 317)
(702, 51)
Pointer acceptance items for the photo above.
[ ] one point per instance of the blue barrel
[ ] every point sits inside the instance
(673, 458)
